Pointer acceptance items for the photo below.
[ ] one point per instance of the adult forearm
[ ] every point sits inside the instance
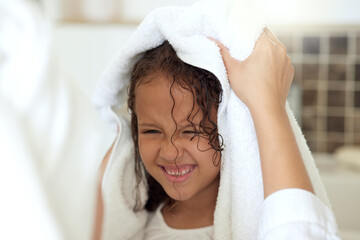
(281, 162)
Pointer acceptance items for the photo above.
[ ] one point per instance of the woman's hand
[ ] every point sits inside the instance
(263, 80)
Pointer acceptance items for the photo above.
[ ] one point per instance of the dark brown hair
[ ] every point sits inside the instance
(206, 91)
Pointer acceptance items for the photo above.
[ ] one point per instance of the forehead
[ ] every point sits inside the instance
(158, 98)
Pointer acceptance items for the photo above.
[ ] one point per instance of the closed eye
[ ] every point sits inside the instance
(191, 132)
(151, 131)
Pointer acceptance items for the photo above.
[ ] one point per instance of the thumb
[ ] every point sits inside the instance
(227, 58)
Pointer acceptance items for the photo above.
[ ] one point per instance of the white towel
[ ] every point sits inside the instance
(237, 24)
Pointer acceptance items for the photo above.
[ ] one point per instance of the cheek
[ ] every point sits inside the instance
(201, 144)
(210, 163)
(147, 151)
(204, 153)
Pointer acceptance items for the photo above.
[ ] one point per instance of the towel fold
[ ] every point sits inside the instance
(237, 24)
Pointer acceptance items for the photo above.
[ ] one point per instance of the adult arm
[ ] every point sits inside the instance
(262, 82)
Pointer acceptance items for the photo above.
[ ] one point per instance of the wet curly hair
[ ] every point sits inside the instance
(206, 91)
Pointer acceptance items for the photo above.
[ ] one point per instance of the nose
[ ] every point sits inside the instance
(170, 150)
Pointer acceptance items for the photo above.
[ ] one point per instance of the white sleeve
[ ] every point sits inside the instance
(296, 214)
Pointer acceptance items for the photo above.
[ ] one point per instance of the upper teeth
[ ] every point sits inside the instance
(178, 173)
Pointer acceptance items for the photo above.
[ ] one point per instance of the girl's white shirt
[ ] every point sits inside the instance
(158, 229)
(286, 214)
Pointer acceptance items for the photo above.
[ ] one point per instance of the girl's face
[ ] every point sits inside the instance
(180, 162)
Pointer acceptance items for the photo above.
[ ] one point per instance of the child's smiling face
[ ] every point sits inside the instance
(181, 162)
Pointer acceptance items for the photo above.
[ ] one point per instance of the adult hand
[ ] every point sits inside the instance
(263, 80)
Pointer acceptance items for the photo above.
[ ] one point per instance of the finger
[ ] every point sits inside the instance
(227, 58)
(292, 72)
(272, 36)
(263, 40)
(220, 45)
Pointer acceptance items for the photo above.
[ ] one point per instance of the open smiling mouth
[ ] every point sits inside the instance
(178, 174)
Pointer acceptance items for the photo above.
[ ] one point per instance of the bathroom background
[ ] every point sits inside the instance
(322, 38)
(323, 41)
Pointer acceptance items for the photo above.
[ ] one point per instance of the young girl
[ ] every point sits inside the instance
(178, 148)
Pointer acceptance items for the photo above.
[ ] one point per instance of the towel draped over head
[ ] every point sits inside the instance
(237, 24)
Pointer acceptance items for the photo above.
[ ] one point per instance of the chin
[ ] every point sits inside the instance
(178, 195)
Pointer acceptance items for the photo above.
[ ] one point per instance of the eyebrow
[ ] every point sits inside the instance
(189, 125)
(148, 125)
(179, 125)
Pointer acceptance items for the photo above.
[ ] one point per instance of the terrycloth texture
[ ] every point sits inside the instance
(237, 25)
